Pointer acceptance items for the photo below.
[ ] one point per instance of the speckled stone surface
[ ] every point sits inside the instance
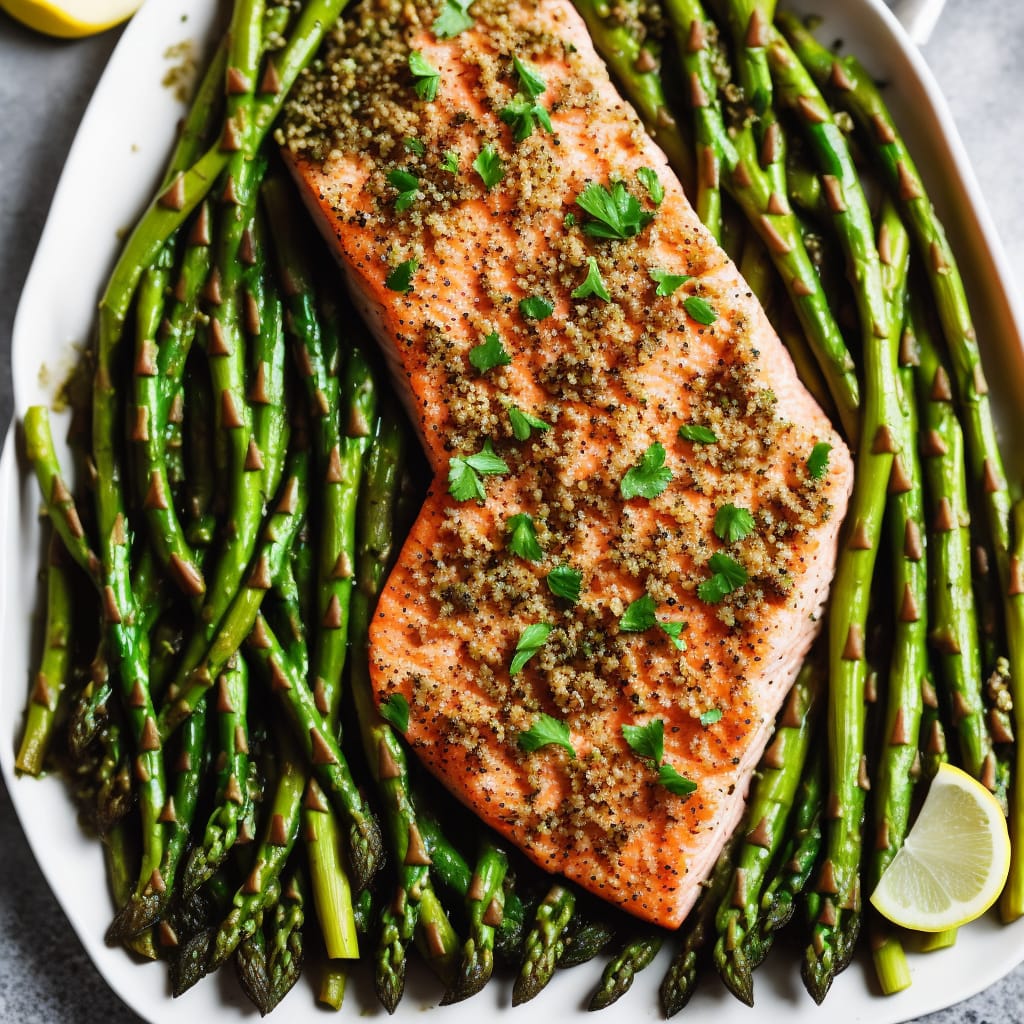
(45, 977)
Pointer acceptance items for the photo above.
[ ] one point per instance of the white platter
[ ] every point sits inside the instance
(111, 171)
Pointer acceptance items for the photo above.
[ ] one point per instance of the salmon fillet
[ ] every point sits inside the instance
(677, 623)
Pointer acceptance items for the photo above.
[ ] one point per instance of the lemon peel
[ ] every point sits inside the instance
(70, 19)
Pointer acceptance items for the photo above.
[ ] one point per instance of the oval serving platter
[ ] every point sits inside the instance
(110, 174)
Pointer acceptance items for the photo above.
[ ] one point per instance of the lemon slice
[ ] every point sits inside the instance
(954, 861)
(70, 19)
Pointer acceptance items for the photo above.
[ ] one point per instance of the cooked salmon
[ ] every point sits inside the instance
(628, 543)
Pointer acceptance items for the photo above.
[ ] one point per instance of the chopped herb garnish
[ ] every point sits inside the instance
(650, 477)
(408, 186)
(673, 630)
(732, 524)
(489, 166)
(697, 434)
(546, 732)
(569, 220)
(489, 354)
(522, 537)
(453, 19)
(565, 582)
(536, 308)
(400, 279)
(667, 283)
(523, 423)
(617, 213)
(414, 146)
(530, 80)
(450, 162)
(425, 77)
(647, 740)
(700, 310)
(464, 472)
(592, 284)
(710, 716)
(396, 711)
(727, 575)
(675, 783)
(530, 642)
(650, 180)
(522, 115)
(639, 615)
(817, 461)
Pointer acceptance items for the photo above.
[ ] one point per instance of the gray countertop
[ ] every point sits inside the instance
(45, 977)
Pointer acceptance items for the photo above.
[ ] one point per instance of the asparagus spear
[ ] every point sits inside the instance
(894, 777)
(681, 977)
(620, 971)
(544, 943)
(52, 677)
(737, 951)
(954, 629)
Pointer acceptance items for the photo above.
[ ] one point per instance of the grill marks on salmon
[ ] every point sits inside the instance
(610, 379)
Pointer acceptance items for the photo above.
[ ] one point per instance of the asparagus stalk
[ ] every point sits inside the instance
(680, 979)
(954, 627)
(909, 664)
(737, 950)
(52, 677)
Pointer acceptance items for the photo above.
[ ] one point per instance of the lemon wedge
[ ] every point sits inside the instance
(70, 19)
(954, 861)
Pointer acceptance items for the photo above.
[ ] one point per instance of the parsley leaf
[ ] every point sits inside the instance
(700, 310)
(522, 537)
(536, 307)
(569, 220)
(675, 783)
(639, 615)
(650, 477)
(426, 78)
(450, 162)
(710, 716)
(565, 582)
(673, 630)
(728, 575)
(489, 354)
(408, 186)
(522, 115)
(593, 284)
(523, 423)
(530, 642)
(647, 740)
(464, 472)
(546, 732)
(530, 80)
(414, 146)
(489, 166)
(453, 19)
(732, 523)
(650, 180)
(697, 434)
(817, 461)
(395, 710)
(616, 213)
(400, 279)
(667, 283)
